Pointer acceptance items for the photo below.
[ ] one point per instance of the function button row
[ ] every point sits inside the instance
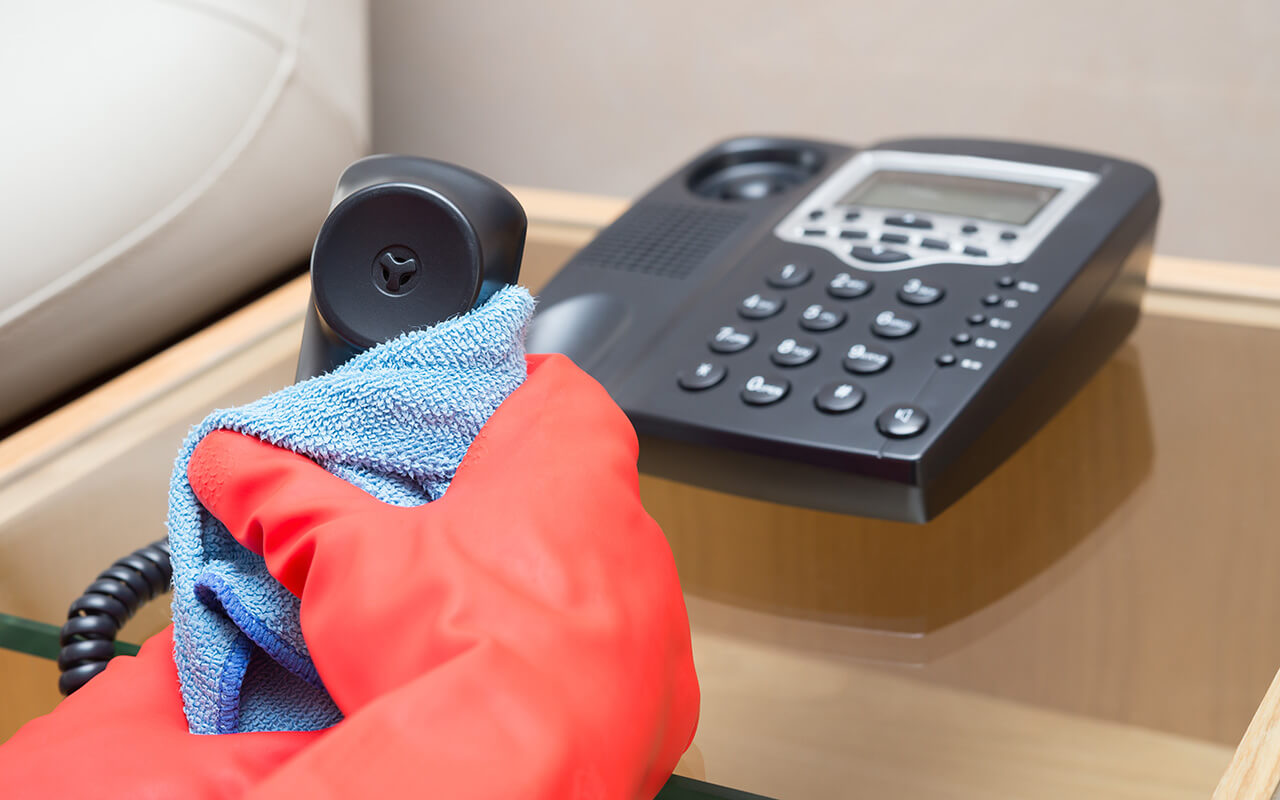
(729, 339)
(789, 275)
(876, 254)
(908, 221)
(793, 352)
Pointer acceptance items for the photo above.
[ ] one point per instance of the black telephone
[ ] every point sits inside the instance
(863, 331)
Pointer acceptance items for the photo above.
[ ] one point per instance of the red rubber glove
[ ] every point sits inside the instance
(524, 636)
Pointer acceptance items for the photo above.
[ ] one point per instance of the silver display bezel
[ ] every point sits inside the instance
(1072, 186)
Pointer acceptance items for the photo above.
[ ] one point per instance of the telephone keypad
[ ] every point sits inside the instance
(730, 339)
(839, 397)
(862, 360)
(844, 286)
(702, 375)
(794, 352)
(817, 317)
(918, 293)
(890, 324)
(789, 275)
(762, 390)
(760, 305)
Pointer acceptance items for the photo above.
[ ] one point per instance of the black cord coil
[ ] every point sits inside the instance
(89, 636)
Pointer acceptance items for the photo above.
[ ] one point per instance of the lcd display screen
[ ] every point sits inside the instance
(979, 198)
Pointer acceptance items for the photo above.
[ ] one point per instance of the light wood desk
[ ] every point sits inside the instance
(1098, 619)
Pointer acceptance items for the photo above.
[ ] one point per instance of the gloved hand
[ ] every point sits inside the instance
(523, 636)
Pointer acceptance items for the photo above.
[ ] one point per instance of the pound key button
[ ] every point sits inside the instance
(789, 275)
(838, 397)
(878, 255)
(862, 360)
(760, 305)
(902, 421)
(894, 324)
(702, 375)
(761, 390)
(918, 293)
(729, 339)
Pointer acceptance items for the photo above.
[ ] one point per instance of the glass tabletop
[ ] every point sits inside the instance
(1097, 618)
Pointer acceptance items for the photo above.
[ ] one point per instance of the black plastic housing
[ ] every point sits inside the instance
(409, 242)
(640, 301)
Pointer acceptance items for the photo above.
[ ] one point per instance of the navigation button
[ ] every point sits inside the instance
(918, 293)
(878, 255)
(862, 360)
(838, 397)
(895, 238)
(853, 234)
(792, 352)
(846, 287)
(894, 324)
(817, 317)
(902, 421)
(935, 244)
(908, 221)
(729, 339)
(760, 305)
(789, 275)
(761, 390)
(702, 375)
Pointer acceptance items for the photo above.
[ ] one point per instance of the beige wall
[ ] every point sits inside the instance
(608, 96)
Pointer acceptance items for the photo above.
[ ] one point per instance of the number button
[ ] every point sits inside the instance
(729, 339)
(838, 397)
(894, 324)
(794, 352)
(902, 421)
(761, 390)
(789, 275)
(918, 293)
(760, 305)
(862, 360)
(702, 375)
(816, 317)
(844, 286)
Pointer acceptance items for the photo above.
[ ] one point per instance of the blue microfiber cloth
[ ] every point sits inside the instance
(395, 421)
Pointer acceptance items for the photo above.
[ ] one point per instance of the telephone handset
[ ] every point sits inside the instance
(869, 332)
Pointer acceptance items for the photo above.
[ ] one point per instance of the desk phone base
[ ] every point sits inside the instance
(868, 332)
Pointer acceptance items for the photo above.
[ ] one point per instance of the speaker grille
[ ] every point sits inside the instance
(661, 239)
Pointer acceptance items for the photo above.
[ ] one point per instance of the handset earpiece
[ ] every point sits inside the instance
(408, 242)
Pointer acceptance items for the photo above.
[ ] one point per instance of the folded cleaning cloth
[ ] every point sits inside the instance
(395, 421)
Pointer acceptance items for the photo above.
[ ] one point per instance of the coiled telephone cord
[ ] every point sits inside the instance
(89, 636)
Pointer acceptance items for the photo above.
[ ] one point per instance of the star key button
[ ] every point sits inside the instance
(702, 375)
